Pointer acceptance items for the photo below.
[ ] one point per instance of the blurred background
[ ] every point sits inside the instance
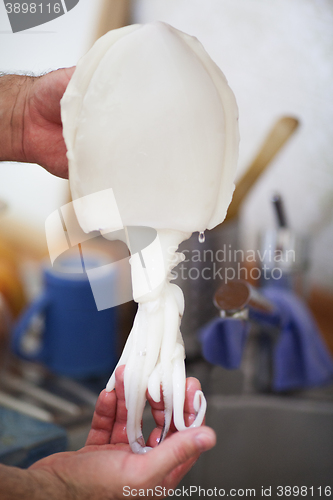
(277, 57)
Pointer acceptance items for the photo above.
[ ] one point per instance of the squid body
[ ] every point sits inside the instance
(150, 118)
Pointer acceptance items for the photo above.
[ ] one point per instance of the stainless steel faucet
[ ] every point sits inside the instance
(235, 298)
(239, 300)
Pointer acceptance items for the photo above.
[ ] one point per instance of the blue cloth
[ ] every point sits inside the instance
(223, 341)
(300, 357)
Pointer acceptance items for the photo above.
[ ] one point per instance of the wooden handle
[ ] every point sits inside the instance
(115, 14)
(280, 133)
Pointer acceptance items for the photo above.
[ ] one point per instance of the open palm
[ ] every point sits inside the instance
(106, 464)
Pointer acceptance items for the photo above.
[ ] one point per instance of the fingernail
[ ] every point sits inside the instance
(205, 440)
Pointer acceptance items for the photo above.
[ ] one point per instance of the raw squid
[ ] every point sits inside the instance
(150, 116)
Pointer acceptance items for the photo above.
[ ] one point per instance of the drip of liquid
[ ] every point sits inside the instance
(202, 237)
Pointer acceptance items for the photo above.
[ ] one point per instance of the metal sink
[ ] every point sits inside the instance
(266, 441)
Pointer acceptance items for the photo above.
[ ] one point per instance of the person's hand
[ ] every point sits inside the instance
(106, 465)
(32, 128)
(43, 141)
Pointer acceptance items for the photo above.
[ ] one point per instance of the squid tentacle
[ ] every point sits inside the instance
(124, 356)
(147, 350)
(154, 383)
(132, 377)
(171, 323)
(154, 357)
(167, 399)
(179, 384)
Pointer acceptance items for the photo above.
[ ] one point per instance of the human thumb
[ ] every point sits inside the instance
(178, 449)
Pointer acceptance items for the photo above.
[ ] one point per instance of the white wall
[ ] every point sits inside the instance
(278, 58)
(31, 192)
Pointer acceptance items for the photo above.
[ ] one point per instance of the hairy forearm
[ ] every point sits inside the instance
(18, 484)
(14, 90)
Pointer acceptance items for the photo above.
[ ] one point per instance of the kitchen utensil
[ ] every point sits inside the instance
(114, 14)
(282, 130)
